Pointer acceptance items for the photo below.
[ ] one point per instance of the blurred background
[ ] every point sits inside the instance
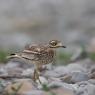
(32, 21)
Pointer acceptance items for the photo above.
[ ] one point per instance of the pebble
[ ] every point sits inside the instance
(15, 62)
(3, 71)
(62, 90)
(71, 79)
(78, 77)
(92, 81)
(23, 85)
(29, 71)
(43, 81)
(11, 65)
(15, 71)
(61, 70)
(75, 67)
(85, 88)
(87, 64)
(51, 74)
(56, 84)
(34, 92)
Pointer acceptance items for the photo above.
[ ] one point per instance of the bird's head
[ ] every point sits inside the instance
(56, 44)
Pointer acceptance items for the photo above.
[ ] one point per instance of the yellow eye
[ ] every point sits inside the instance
(53, 43)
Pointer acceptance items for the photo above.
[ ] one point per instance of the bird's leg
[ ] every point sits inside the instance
(36, 75)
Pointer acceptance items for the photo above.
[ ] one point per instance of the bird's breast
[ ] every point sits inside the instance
(46, 57)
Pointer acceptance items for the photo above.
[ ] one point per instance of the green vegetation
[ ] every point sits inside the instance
(92, 56)
(3, 55)
(64, 57)
(47, 89)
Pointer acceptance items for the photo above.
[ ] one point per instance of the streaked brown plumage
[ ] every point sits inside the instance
(39, 55)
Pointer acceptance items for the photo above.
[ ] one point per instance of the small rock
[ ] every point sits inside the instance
(92, 81)
(87, 64)
(22, 80)
(85, 88)
(3, 84)
(91, 45)
(66, 78)
(14, 71)
(60, 91)
(15, 62)
(92, 70)
(56, 84)
(75, 76)
(43, 81)
(79, 54)
(51, 74)
(19, 87)
(34, 92)
(3, 71)
(54, 79)
(61, 70)
(78, 77)
(11, 65)
(92, 75)
(29, 71)
(75, 67)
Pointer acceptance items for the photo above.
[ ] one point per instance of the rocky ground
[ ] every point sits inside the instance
(77, 78)
(27, 21)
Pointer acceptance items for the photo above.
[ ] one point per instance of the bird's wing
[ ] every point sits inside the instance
(21, 56)
(31, 52)
(28, 56)
(35, 49)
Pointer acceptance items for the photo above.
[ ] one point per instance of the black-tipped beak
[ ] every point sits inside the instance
(61, 45)
(64, 46)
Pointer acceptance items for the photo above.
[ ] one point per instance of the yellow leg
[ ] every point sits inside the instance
(36, 75)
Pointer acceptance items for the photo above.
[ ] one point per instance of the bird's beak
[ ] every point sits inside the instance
(64, 46)
(61, 45)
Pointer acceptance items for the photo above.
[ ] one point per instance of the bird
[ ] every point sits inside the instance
(39, 55)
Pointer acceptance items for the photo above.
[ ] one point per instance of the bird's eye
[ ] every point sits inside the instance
(53, 43)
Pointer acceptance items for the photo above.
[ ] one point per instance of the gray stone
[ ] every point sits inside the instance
(57, 84)
(76, 67)
(85, 88)
(3, 71)
(74, 77)
(78, 77)
(34, 92)
(61, 70)
(11, 64)
(3, 84)
(57, 72)
(29, 71)
(51, 74)
(92, 81)
(16, 62)
(79, 54)
(88, 64)
(43, 81)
